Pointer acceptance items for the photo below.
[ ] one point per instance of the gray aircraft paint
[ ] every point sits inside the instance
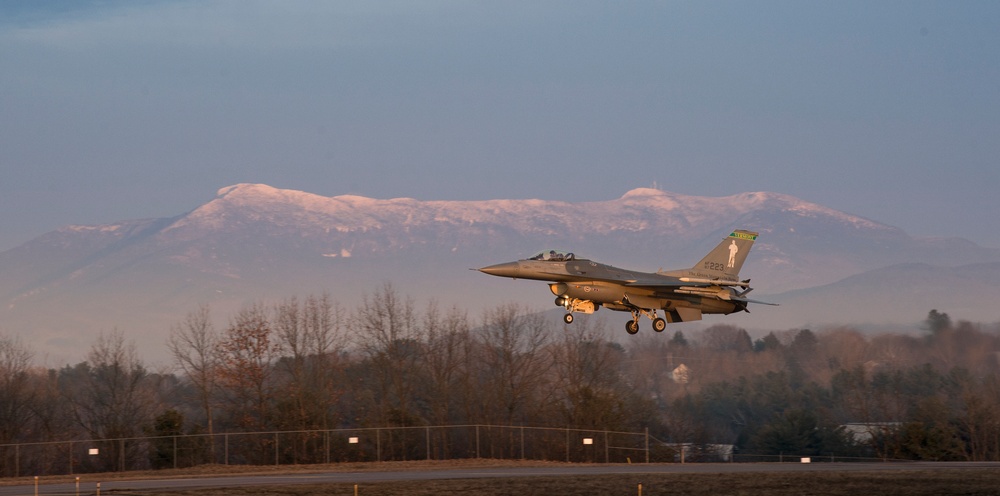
(711, 286)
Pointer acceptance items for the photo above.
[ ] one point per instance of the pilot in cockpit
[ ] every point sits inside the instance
(553, 256)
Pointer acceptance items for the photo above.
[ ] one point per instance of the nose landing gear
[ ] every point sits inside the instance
(575, 305)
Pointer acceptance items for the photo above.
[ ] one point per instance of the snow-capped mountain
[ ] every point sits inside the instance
(256, 242)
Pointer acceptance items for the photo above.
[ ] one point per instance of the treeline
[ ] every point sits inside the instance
(310, 363)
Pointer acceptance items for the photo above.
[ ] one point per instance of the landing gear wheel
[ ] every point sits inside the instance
(568, 318)
(659, 325)
(631, 327)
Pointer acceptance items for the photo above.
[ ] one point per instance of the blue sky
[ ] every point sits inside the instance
(113, 110)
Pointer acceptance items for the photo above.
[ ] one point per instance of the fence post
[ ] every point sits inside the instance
(428, 442)
(647, 444)
(567, 445)
(226, 439)
(175, 451)
(17, 460)
(71, 458)
(522, 442)
(276, 449)
(378, 445)
(607, 450)
(477, 442)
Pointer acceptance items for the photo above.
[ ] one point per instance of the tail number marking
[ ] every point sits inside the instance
(715, 266)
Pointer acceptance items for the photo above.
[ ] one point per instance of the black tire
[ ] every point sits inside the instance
(631, 327)
(659, 325)
(568, 318)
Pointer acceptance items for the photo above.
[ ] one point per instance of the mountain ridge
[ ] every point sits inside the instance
(256, 195)
(254, 241)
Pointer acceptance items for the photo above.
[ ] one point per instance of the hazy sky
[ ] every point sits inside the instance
(113, 110)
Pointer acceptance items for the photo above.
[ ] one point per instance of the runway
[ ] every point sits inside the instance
(90, 486)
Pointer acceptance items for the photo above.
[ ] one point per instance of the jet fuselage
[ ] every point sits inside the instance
(582, 285)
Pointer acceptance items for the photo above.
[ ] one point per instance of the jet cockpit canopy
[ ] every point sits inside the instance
(554, 256)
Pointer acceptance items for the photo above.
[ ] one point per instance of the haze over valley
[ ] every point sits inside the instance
(257, 243)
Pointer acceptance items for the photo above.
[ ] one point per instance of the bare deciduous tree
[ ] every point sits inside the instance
(444, 360)
(15, 392)
(591, 396)
(246, 351)
(112, 399)
(511, 364)
(311, 338)
(390, 338)
(193, 344)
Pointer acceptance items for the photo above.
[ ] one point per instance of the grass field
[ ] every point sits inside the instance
(965, 481)
(936, 483)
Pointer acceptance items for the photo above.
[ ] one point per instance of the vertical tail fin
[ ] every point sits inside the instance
(725, 261)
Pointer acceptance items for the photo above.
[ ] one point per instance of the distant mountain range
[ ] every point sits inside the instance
(258, 243)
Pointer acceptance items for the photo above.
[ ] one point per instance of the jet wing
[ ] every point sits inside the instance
(654, 284)
(712, 288)
(675, 282)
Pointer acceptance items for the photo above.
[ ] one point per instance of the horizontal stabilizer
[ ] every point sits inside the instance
(748, 300)
(683, 314)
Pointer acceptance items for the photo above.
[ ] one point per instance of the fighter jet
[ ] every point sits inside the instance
(712, 286)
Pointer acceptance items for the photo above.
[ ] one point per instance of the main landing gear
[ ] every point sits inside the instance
(659, 324)
(632, 326)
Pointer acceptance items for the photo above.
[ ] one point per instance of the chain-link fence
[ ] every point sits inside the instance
(325, 446)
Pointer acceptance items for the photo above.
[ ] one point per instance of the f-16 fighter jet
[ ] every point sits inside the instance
(584, 286)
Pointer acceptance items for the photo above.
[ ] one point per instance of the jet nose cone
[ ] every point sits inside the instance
(503, 270)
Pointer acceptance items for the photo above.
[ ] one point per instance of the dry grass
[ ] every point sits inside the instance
(929, 483)
(217, 470)
(896, 482)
